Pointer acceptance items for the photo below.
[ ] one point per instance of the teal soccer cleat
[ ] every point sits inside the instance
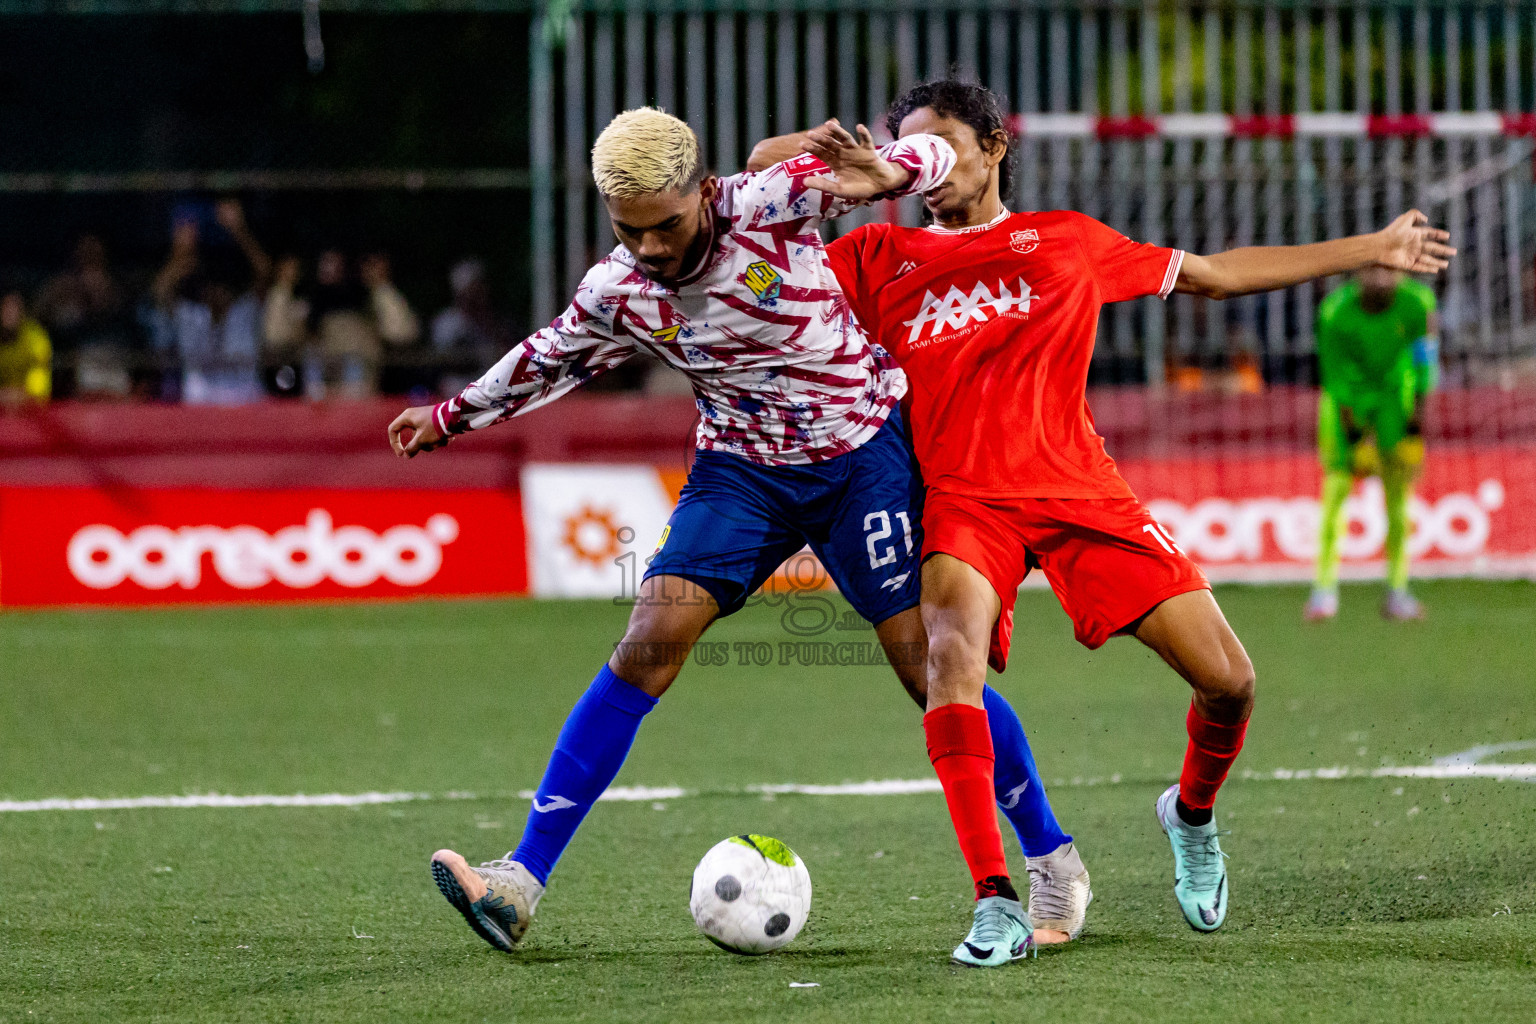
(1000, 933)
(1199, 866)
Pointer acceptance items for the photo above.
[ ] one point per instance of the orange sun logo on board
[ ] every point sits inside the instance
(1024, 241)
(592, 538)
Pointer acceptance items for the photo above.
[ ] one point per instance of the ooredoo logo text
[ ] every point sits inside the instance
(1457, 525)
(245, 557)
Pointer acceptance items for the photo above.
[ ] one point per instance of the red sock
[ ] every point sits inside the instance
(1212, 749)
(960, 747)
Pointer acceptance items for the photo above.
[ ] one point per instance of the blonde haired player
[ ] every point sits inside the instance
(644, 152)
(799, 442)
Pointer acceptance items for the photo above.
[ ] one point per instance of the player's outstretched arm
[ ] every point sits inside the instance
(581, 343)
(827, 142)
(775, 151)
(1407, 244)
(860, 170)
(836, 171)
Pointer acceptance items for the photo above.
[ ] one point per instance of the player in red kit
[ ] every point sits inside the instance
(993, 316)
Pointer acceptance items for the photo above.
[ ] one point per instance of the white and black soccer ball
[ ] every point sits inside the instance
(751, 895)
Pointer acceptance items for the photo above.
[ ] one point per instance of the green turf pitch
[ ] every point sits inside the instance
(1352, 900)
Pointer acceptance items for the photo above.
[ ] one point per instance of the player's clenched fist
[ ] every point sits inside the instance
(414, 431)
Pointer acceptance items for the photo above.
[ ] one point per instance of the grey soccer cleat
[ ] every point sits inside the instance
(1059, 894)
(1401, 606)
(1322, 604)
(498, 898)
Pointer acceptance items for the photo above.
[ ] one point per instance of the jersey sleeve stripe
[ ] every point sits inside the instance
(441, 414)
(1171, 278)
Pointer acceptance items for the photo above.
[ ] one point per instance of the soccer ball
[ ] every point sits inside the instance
(751, 895)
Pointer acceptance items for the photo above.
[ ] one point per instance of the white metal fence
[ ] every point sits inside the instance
(740, 72)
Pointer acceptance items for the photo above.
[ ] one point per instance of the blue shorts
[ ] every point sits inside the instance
(861, 513)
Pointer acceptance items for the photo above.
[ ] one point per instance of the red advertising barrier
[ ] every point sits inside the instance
(136, 505)
(339, 444)
(85, 546)
(1473, 513)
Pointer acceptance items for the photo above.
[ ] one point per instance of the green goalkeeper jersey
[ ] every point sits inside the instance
(1367, 360)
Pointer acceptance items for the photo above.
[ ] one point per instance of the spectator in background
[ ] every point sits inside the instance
(340, 327)
(467, 336)
(26, 357)
(88, 315)
(208, 312)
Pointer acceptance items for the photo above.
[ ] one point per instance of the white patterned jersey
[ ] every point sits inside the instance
(781, 370)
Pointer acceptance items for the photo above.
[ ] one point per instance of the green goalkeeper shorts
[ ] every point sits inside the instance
(1382, 417)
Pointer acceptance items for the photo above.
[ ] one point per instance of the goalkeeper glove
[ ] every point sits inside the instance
(1409, 452)
(1365, 458)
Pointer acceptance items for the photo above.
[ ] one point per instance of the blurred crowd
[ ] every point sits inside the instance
(223, 322)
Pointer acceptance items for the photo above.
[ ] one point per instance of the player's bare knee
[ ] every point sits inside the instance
(955, 667)
(1227, 687)
(646, 665)
(651, 654)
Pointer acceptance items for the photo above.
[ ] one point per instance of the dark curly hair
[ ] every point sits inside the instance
(969, 102)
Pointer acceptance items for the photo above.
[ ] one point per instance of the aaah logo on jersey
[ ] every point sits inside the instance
(956, 309)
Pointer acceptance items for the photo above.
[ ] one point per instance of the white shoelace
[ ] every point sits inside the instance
(1054, 902)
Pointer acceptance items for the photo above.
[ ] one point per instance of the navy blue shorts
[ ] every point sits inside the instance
(861, 513)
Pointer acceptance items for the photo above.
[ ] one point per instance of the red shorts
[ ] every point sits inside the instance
(1107, 559)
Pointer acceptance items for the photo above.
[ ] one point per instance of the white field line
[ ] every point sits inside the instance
(633, 794)
(1478, 753)
(1425, 771)
(214, 800)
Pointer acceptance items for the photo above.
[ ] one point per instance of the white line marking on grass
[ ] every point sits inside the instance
(1478, 753)
(640, 794)
(222, 800)
(1459, 771)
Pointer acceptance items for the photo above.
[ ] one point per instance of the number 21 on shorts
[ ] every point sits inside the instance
(877, 527)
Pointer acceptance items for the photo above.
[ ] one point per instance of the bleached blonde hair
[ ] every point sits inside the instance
(646, 150)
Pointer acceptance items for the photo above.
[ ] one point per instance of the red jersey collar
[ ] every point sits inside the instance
(974, 228)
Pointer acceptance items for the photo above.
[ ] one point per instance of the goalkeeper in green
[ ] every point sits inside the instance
(1378, 355)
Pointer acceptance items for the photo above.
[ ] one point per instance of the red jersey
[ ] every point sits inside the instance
(995, 326)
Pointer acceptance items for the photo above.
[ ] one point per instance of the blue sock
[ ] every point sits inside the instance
(592, 746)
(1016, 780)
